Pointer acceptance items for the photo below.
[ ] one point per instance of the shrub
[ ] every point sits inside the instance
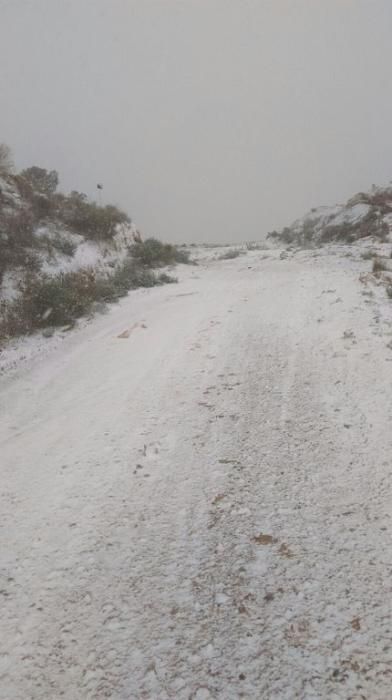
(379, 265)
(42, 181)
(287, 235)
(56, 300)
(382, 199)
(130, 275)
(231, 254)
(19, 257)
(24, 188)
(43, 301)
(87, 218)
(16, 239)
(338, 232)
(60, 300)
(153, 253)
(17, 228)
(64, 245)
(164, 278)
(102, 222)
(42, 207)
(368, 254)
(372, 225)
(182, 256)
(54, 243)
(11, 323)
(308, 230)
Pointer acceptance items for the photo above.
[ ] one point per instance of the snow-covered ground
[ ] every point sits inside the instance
(196, 491)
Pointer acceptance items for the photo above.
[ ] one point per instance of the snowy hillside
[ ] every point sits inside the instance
(47, 244)
(61, 254)
(365, 214)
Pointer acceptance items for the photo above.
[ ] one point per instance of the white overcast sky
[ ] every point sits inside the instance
(206, 119)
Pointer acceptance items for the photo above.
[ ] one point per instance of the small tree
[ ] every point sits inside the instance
(42, 181)
(6, 160)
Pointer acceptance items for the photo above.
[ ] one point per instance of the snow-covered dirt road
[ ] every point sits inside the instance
(196, 494)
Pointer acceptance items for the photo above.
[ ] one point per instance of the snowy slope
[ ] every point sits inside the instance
(51, 259)
(365, 214)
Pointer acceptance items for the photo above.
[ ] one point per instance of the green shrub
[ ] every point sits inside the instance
(153, 253)
(42, 207)
(130, 275)
(368, 254)
(182, 256)
(287, 235)
(60, 300)
(273, 234)
(11, 322)
(56, 300)
(87, 218)
(24, 187)
(42, 181)
(339, 232)
(16, 241)
(308, 230)
(64, 245)
(164, 278)
(17, 228)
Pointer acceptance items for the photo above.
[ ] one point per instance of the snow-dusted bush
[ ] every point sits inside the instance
(87, 218)
(153, 253)
(231, 254)
(17, 241)
(61, 299)
(42, 181)
(382, 264)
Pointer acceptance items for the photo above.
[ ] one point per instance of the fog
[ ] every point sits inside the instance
(207, 120)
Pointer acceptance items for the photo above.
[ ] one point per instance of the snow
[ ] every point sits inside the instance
(139, 472)
(351, 214)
